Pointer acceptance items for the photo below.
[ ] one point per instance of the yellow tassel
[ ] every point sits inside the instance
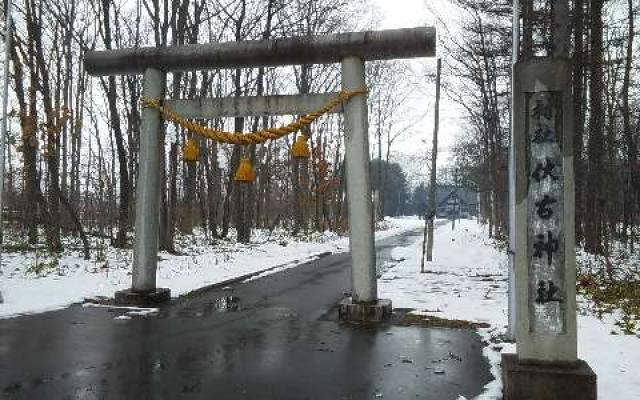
(245, 172)
(300, 148)
(190, 151)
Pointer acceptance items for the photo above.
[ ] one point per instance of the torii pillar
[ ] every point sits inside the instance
(143, 289)
(363, 305)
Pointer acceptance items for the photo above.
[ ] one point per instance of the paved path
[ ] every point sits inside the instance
(279, 341)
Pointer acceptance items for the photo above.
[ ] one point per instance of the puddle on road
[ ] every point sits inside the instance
(124, 314)
(227, 303)
(222, 304)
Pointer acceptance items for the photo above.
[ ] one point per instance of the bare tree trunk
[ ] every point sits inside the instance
(52, 224)
(594, 201)
(116, 129)
(631, 196)
(212, 174)
(578, 95)
(28, 125)
(233, 192)
(170, 209)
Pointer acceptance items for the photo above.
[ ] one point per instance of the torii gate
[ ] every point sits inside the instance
(349, 49)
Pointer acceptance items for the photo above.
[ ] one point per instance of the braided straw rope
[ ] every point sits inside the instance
(253, 137)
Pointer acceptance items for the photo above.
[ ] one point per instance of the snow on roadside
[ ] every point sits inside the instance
(614, 358)
(468, 281)
(71, 279)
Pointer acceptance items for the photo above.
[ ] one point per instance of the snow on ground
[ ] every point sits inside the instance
(31, 282)
(467, 280)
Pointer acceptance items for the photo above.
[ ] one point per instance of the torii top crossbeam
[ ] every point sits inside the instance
(324, 49)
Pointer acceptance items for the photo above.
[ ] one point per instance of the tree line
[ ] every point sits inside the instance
(603, 48)
(73, 142)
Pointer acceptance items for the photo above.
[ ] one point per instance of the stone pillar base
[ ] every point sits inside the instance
(377, 311)
(130, 297)
(547, 381)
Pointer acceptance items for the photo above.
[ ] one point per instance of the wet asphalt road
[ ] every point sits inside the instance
(278, 340)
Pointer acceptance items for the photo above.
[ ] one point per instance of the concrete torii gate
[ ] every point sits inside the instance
(349, 49)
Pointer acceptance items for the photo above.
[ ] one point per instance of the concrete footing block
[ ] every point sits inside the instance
(132, 298)
(377, 311)
(547, 381)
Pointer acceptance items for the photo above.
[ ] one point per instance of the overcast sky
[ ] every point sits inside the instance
(411, 13)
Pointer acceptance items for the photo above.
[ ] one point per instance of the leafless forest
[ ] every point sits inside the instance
(72, 152)
(604, 50)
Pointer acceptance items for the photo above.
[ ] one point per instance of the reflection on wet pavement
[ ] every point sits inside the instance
(272, 338)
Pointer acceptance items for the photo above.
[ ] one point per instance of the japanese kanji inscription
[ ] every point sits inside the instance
(545, 214)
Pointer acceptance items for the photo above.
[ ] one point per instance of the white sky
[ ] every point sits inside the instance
(411, 13)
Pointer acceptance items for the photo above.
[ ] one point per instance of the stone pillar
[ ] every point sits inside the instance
(546, 365)
(364, 303)
(145, 251)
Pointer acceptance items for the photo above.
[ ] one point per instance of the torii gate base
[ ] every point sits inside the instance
(136, 298)
(376, 311)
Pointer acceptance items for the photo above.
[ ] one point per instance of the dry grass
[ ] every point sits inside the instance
(404, 317)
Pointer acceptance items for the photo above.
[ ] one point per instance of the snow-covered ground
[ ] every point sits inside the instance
(32, 282)
(468, 281)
